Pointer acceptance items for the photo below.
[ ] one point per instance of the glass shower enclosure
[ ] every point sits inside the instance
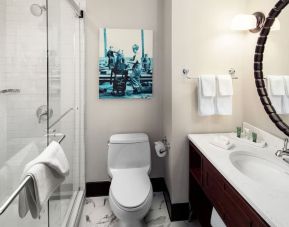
(41, 99)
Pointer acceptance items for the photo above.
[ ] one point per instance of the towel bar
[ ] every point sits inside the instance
(13, 196)
(185, 72)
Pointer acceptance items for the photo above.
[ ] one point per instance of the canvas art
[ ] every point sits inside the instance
(125, 64)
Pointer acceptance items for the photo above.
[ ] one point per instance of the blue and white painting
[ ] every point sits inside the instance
(125, 64)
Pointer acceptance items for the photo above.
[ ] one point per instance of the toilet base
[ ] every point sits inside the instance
(131, 224)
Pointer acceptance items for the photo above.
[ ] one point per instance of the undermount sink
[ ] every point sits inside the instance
(262, 169)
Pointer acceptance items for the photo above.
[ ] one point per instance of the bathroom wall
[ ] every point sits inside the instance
(25, 61)
(202, 42)
(107, 117)
(275, 62)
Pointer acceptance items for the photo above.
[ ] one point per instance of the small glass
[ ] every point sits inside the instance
(254, 137)
(239, 132)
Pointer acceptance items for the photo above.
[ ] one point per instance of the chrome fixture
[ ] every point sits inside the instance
(37, 10)
(10, 91)
(252, 22)
(185, 74)
(60, 118)
(167, 145)
(13, 196)
(43, 114)
(284, 151)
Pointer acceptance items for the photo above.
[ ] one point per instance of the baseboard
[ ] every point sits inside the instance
(177, 211)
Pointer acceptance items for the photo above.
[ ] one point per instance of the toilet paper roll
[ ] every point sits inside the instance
(160, 149)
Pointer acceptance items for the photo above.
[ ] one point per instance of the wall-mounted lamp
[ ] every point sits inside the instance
(254, 22)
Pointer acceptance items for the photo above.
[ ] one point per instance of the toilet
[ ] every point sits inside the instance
(129, 165)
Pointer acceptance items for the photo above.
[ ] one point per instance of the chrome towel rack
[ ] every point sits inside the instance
(185, 74)
(13, 196)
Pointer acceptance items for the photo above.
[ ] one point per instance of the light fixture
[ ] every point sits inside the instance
(254, 22)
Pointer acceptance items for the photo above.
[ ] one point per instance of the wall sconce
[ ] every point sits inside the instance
(254, 22)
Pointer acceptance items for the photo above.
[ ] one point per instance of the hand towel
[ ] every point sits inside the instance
(208, 83)
(216, 220)
(224, 100)
(222, 142)
(285, 98)
(276, 90)
(48, 171)
(206, 95)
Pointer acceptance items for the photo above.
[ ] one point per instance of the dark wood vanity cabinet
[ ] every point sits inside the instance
(208, 189)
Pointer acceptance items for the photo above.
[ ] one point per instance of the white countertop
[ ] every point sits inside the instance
(271, 204)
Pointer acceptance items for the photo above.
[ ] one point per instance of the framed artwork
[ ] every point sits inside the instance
(125, 64)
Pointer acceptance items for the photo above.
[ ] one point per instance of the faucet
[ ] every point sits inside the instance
(41, 116)
(284, 151)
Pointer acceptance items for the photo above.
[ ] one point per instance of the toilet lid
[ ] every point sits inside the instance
(130, 188)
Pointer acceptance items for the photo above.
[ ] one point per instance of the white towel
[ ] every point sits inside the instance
(208, 83)
(48, 171)
(224, 100)
(216, 220)
(285, 98)
(206, 95)
(222, 142)
(276, 90)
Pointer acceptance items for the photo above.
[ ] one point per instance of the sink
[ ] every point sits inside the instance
(262, 168)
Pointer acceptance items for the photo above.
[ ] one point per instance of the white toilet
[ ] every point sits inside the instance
(129, 163)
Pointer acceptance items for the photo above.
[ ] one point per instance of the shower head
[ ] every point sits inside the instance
(37, 10)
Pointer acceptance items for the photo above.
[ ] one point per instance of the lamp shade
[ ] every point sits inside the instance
(243, 22)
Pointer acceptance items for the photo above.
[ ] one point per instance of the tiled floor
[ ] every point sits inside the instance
(97, 213)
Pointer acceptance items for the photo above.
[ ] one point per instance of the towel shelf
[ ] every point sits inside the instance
(13, 196)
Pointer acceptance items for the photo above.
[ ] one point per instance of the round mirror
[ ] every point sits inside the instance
(271, 66)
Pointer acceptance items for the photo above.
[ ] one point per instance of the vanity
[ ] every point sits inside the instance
(239, 183)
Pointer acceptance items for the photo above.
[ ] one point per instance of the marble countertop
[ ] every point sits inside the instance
(271, 204)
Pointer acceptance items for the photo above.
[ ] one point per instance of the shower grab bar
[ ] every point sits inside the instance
(76, 8)
(13, 196)
(60, 118)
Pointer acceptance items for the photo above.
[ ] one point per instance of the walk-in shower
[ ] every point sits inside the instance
(41, 99)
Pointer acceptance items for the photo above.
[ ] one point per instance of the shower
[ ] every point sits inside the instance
(41, 100)
(37, 10)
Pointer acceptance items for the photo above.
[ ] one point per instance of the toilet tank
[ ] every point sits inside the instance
(126, 151)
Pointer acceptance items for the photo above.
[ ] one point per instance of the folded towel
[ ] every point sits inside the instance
(224, 100)
(276, 90)
(222, 142)
(276, 85)
(208, 85)
(48, 171)
(285, 98)
(216, 220)
(225, 85)
(206, 93)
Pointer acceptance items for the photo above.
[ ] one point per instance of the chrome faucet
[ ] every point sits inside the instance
(284, 151)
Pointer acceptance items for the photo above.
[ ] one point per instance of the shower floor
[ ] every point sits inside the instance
(97, 212)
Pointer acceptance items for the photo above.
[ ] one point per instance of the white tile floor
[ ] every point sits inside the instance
(97, 213)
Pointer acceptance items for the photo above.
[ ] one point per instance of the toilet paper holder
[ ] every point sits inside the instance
(167, 144)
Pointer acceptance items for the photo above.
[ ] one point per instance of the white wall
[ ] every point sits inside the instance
(203, 42)
(106, 117)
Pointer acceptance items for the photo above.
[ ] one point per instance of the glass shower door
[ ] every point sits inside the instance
(63, 99)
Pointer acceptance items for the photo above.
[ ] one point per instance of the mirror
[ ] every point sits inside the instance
(272, 60)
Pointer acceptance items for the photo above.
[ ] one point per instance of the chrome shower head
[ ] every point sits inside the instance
(37, 10)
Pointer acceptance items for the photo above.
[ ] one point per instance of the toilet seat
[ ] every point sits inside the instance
(130, 188)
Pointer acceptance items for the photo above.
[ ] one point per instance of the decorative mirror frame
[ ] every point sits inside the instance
(258, 67)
